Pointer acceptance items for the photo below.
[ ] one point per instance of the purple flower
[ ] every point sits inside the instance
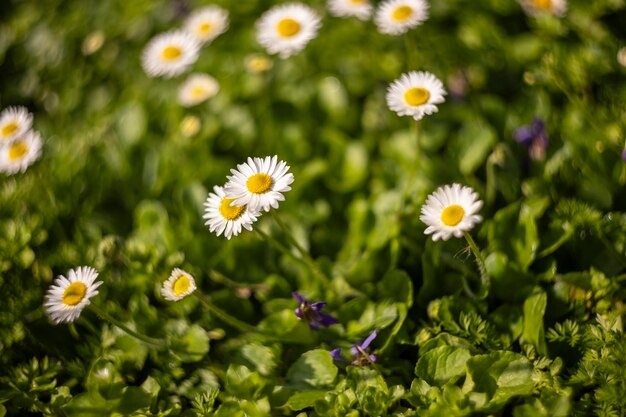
(534, 137)
(310, 312)
(359, 352)
(624, 155)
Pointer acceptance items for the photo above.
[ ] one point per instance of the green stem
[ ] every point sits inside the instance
(282, 248)
(484, 277)
(148, 340)
(303, 252)
(224, 316)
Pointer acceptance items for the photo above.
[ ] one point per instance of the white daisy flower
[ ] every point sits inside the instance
(259, 183)
(451, 211)
(67, 297)
(536, 7)
(361, 9)
(21, 153)
(395, 17)
(14, 122)
(207, 23)
(223, 217)
(287, 28)
(170, 54)
(179, 285)
(258, 63)
(415, 94)
(196, 89)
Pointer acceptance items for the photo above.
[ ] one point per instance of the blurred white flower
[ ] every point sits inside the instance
(361, 9)
(451, 211)
(259, 183)
(20, 153)
(535, 7)
(621, 56)
(179, 285)
(257, 63)
(207, 23)
(394, 17)
(286, 29)
(170, 54)
(223, 217)
(14, 122)
(67, 297)
(196, 89)
(415, 94)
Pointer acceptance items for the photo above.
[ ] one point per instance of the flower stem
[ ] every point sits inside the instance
(484, 277)
(410, 48)
(303, 252)
(160, 343)
(224, 316)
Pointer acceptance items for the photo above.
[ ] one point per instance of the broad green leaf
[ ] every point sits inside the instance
(442, 365)
(534, 309)
(314, 369)
(258, 357)
(475, 142)
(304, 399)
(501, 375)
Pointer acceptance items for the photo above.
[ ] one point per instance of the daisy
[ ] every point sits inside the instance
(536, 7)
(14, 122)
(395, 17)
(207, 23)
(451, 211)
(170, 54)
(415, 94)
(196, 89)
(259, 183)
(21, 153)
(287, 28)
(179, 285)
(67, 297)
(223, 217)
(258, 63)
(361, 9)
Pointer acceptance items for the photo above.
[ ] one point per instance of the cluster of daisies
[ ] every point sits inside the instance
(20, 145)
(172, 53)
(256, 186)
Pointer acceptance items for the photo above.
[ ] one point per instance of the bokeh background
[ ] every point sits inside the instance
(125, 171)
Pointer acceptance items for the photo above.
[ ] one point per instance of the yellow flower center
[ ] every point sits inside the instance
(542, 4)
(288, 27)
(205, 28)
(171, 53)
(197, 92)
(9, 128)
(357, 1)
(259, 183)
(74, 293)
(402, 13)
(230, 212)
(17, 150)
(452, 215)
(181, 285)
(416, 96)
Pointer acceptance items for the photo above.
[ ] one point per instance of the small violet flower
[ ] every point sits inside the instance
(534, 137)
(310, 312)
(359, 352)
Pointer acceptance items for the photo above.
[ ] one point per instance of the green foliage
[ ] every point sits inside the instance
(125, 170)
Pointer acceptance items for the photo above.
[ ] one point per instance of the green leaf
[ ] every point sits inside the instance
(133, 399)
(258, 357)
(304, 399)
(500, 375)
(475, 142)
(534, 309)
(397, 286)
(314, 369)
(442, 365)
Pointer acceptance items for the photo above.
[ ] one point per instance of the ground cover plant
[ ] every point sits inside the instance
(318, 208)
